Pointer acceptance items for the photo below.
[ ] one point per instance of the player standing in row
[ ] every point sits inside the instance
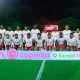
(77, 33)
(28, 42)
(10, 32)
(34, 33)
(2, 31)
(19, 32)
(66, 32)
(44, 37)
(16, 42)
(7, 42)
(61, 42)
(55, 34)
(49, 42)
(71, 42)
(1, 42)
(25, 32)
(39, 42)
(78, 43)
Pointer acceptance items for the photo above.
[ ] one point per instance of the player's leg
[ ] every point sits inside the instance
(58, 48)
(52, 47)
(74, 48)
(26, 48)
(1, 47)
(68, 48)
(63, 47)
(16, 47)
(37, 48)
(47, 47)
(78, 49)
(23, 45)
(31, 48)
(7, 47)
(44, 44)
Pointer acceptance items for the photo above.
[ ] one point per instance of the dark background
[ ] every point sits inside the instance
(29, 12)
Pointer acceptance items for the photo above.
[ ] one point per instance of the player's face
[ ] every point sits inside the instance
(26, 28)
(16, 36)
(28, 35)
(61, 35)
(49, 36)
(18, 28)
(0, 36)
(79, 36)
(9, 28)
(66, 27)
(38, 36)
(45, 30)
(77, 30)
(7, 36)
(71, 35)
(1, 26)
(35, 26)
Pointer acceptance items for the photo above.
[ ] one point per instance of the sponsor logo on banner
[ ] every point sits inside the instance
(13, 54)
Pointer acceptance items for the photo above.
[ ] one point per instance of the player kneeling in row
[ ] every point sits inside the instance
(28, 42)
(7, 42)
(61, 42)
(71, 42)
(49, 42)
(78, 43)
(39, 42)
(16, 42)
(1, 42)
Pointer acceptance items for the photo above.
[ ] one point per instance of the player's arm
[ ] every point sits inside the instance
(12, 43)
(4, 41)
(38, 31)
(20, 43)
(56, 43)
(65, 44)
(53, 42)
(33, 42)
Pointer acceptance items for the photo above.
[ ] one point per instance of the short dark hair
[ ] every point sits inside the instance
(39, 34)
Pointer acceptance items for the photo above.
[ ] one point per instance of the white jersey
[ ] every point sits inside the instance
(49, 42)
(55, 35)
(78, 43)
(28, 42)
(25, 33)
(39, 43)
(66, 34)
(71, 42)
(61, 40)
(11, 33)
(3, 32)
(16, 41)
(1, 41)
(76, 35)
(19, 34)
(44, 35)
(34, 33)
(7, 41)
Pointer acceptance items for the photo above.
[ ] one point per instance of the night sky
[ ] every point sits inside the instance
(29, 11)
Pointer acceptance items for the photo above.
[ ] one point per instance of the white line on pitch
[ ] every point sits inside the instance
(40, 70)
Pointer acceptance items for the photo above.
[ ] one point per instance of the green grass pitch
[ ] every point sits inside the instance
(28, 70)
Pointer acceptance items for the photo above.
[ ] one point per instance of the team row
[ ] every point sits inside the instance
(28, 42)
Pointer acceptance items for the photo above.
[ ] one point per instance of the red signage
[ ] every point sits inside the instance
(51, 27)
